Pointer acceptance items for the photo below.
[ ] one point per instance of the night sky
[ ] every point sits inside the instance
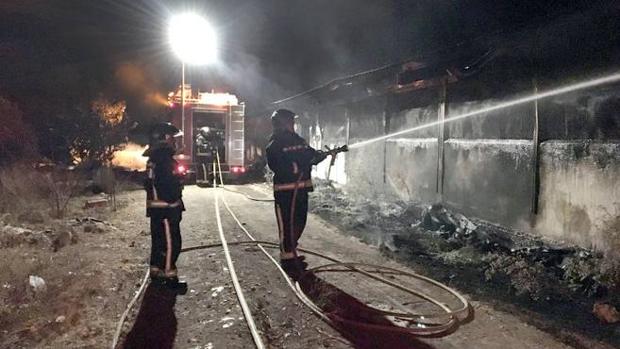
(270, 49)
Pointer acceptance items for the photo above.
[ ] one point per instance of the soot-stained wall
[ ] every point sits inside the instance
(489, 161)
(580, 193)
(365, 166)
(490, 179)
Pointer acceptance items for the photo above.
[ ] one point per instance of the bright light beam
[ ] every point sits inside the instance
(192, 39)
(558, 91)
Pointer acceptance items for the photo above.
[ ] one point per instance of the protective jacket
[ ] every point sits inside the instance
(291, 160)
(163, 183)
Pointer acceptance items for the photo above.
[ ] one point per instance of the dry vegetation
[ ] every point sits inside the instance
(82, 255)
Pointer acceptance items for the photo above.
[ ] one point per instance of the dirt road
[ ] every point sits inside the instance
(209, 315)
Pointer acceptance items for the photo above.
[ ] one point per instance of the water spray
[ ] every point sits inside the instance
(555, 92)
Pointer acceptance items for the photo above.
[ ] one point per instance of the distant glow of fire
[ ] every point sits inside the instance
(130, 157)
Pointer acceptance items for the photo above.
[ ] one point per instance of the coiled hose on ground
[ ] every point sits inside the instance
(425, 325)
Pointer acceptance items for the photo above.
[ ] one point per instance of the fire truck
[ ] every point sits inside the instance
(213, 126)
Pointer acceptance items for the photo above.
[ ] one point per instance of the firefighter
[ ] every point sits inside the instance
(291, 159)
(164, 206)
(209, 142)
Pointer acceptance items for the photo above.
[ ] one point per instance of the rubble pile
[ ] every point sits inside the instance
(531, 267)
(11, 236)
(53, 238)
(374, 221)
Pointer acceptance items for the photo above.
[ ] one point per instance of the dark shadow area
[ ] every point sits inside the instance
(156, 324)
(354, 320)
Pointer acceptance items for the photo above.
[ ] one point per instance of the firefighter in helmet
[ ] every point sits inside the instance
(164, 206)
(209, 142)
(291, 159)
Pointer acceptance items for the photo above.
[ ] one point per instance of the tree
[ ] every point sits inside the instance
(99, 132)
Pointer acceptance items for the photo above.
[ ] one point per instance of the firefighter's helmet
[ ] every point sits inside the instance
(205, 130)
(159, 131)
(280, 117)
(283, 114)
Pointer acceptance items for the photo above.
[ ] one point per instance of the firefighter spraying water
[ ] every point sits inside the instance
(291, 159)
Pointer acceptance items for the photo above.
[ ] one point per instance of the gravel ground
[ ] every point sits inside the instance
(91, 280)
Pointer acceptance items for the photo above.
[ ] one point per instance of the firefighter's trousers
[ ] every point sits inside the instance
(204, 172)
(165, 240)
(291, 213)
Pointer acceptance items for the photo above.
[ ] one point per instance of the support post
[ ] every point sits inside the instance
(441, 136)
(183, 100)
(386, 130)
(348, 118)
(535, 156)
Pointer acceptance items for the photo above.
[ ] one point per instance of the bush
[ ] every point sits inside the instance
(26, 189)
(62, 186)
(21, 187)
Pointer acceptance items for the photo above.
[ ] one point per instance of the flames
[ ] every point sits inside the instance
(130, 157)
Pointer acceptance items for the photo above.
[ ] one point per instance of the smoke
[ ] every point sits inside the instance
(130, 157)
(250, 82)
(155, 98)
(270, 51)
(133, 80)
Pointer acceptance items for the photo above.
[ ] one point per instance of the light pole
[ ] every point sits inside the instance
(193, 40)
(183, 100)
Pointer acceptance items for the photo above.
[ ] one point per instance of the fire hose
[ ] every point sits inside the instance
(251, 198)
(231, 268)
(611, 78)
(448, 320)
(425, 324)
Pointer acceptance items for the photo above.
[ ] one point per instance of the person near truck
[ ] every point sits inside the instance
(164, 206)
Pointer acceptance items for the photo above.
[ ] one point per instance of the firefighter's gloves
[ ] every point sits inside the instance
(322, 154)
(334, 151)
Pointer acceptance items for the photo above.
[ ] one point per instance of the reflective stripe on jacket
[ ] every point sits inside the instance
(291, 160)
(293, 186)
(162, 204)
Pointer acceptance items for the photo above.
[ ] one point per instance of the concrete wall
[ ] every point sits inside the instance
(488, 158)
(411, 169)
(587, 114)
(365, 166)
(330, 128)
(510, 123)
(490, 179)
(580, 193)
